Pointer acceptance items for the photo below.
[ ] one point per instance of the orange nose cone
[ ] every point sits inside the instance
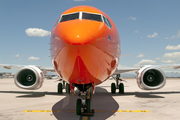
(78, 36)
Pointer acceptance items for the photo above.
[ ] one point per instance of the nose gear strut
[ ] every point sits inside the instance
(84, 103)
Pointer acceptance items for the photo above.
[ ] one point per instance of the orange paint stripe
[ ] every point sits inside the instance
(66, 73)
(97, 73)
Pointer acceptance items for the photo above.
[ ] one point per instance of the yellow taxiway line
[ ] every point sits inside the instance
(144, 111)
(96, 111)
(42, 111)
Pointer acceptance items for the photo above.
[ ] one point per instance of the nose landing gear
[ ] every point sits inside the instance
(83, 107)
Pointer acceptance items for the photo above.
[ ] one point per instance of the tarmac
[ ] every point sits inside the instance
(46, 104)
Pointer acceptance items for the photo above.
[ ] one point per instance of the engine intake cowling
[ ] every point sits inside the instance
(150, 78)
(29, 77)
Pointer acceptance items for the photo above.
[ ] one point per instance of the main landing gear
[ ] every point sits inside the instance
(117, 85)
(62, 86)
(84, 104)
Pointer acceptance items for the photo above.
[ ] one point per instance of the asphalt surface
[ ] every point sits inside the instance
(46, 104)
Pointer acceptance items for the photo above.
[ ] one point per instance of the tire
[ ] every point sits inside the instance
(113, 88)
(121, 88)
(89, 93)
(88, 105)
(67, 88)
(78, 106)
(60, 88)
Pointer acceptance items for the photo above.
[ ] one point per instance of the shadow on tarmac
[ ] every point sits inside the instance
(103, 104)
(32, 94)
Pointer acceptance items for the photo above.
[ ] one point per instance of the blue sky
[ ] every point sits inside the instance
(149, 30)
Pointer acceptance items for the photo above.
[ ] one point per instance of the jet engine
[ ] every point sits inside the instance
(150, 78)
(29, 77)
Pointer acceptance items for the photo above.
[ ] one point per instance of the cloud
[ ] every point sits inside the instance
(132, 18)
(157, 58)
(141, 37)
(153, 35)
(140, 55)
(136, 31)
(37, 32)
(146, 62)
(0, 60)
(175, 36)
(17, 55)
(173, 47)
(33, 58)
(168, 61)
(178, 35)
(173, 55)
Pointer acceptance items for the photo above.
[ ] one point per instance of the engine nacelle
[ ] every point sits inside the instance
(150, 78)
(29, 77)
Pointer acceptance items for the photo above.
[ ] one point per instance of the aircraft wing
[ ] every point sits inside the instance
(169, 66)
(47, 69)
(120, 71)
(8, 66)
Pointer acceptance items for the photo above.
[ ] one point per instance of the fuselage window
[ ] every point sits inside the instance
(69, 17)
(109, 37)
(90, 16)
(54, 37)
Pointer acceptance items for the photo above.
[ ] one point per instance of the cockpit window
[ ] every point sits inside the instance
(110, 26)
(85, 15)
(69, 17)
(90, 16)
(107, 22)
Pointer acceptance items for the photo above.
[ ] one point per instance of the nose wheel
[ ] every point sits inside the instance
(78, 106)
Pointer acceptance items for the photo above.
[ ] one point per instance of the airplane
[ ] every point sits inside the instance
(85, 52)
